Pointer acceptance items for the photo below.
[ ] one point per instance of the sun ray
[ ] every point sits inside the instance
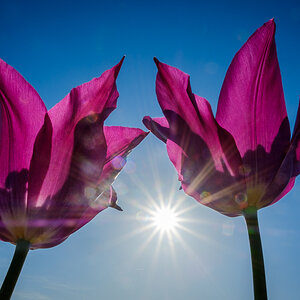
(164, 221)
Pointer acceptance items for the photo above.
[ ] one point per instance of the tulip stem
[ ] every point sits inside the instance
(22, 248)
(258, 269)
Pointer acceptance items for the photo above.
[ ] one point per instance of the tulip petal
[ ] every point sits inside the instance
(5, 234)
(158, 126)
(284, 180)
(87, 161)
(88, 190)
(252, 108)
(47, 245)
(67, 208)
(187, 115)
(295, 144)
(201, 180)
(40, 161)
(204, 154)
(22, 115)
(48, 228)
(67, 178)
(95, 99)
(281, 183)
(121, 140)
(288, 187)
(176, 155)
(172, 87)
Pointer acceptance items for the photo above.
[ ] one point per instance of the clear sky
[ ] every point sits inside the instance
(57, 45)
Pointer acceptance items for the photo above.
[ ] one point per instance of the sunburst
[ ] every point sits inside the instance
(165, 219)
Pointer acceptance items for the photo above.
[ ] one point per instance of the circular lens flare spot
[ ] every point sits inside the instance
(241, 199)
(118, 162)
(165, 219)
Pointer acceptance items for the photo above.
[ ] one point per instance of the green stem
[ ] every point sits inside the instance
(14, 270)
(258, 269)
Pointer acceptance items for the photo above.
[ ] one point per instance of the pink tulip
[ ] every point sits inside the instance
(57, 167)
(244, 156)
(243, 159)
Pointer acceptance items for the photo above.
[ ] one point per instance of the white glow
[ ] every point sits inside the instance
(165, 219)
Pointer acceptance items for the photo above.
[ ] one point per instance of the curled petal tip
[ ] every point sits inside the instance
(147, 122)
(116, 206)
(271, 24)
(157, 126)
(156, 61)
(146, 118)
(268, 28)
(118, 66)
(122, 59)
(146, 133)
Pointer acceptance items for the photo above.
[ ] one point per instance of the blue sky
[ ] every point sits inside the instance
(57, 45)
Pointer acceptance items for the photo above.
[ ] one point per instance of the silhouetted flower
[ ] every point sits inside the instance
(57, 167)
(244, 157)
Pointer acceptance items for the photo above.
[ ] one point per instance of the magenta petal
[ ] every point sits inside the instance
(176, 155)
(40, 161)
(57, 228)
(204, 154)
(201, 180)
(107, 198)
(22, 115)
(158, 126)
(209, 179)
(297, 123)
(288, 187)
(49, 244)
(87, 190)
(244, 157)
(190, 115)
(95, 99)
(66, 161)
(282, 182)
(285, 177)
(252, 107)
(251, 104)
(113, 200)
(5, 235)
(67, 209)
(121, 140)
(173, 94)
(295, 144)
(87, 161)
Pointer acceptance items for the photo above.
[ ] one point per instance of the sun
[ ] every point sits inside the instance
(165, 219)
